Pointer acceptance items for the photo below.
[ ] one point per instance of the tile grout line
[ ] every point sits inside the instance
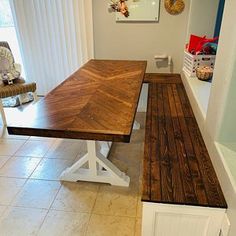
(53, 142)
(13, 155)
(122, 216)
(91, 213)
(136, 214)
(19, 148)
(41, 223)
(49, 208)
(10, 157)
(51, 158)
(34, 169)
(38, 141)
(13, 199)
(18, 193)
(26, 179)
(135, 226)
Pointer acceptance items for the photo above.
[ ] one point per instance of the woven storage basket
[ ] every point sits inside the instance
(204, 73)
(192, 62)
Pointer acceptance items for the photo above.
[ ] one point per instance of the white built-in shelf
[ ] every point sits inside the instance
(228, 156)
(200, 91)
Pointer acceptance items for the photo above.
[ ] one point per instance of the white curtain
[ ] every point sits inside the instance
(55, 37)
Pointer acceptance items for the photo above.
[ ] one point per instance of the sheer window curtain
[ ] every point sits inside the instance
(55, 37)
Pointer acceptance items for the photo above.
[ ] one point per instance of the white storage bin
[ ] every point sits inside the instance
(191, 62)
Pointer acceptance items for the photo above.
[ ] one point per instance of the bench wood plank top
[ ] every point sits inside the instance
(97, 102)
(177, 168)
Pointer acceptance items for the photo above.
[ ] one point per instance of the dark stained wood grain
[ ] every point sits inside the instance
(178, 168)
(97, 102)
(165, 164)
(174, 159)
(187, 182)
(155, 160)
(162, 78)
(187, 110)
(198, 185)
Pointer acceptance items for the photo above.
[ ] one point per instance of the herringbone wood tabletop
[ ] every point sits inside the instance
(97, 102)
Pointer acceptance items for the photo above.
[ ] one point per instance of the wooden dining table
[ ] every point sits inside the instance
(97, 103)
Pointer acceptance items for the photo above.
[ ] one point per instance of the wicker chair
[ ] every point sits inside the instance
(19, 87)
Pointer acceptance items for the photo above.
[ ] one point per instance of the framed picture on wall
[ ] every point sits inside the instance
(141, 10)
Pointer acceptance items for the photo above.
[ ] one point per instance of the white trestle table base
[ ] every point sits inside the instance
(98, 168)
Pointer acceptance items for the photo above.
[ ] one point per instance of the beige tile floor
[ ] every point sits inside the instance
(33, 201)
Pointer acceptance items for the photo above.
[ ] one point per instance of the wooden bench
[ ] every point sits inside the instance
(181, 193)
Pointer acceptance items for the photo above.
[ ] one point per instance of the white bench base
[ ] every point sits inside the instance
(181, 220)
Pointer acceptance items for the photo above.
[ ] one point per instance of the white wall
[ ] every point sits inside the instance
(140, 40)
(228, 126)
(224, 74)
(202, 17)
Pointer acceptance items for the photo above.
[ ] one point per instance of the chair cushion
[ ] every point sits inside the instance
(16, 88)
(7, 68)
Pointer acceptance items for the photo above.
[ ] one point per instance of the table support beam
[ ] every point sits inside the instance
(95, 167)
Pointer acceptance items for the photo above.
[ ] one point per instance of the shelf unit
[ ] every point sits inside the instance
(200, 91)
(214, 105)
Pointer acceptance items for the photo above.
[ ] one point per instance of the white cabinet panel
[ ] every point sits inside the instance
(180, 220)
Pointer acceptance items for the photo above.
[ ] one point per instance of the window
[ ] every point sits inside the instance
(8, 33)
(5, 16)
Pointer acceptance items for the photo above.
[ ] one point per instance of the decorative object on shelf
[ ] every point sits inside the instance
(209, 48)
(201, 45)
(192, 62)
(174, 7)
(204, 73)
(199, 51)
(120, 6)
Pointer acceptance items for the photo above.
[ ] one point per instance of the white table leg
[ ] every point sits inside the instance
(136, 125)
(103, 148)
(100, 169)
(4, 121)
